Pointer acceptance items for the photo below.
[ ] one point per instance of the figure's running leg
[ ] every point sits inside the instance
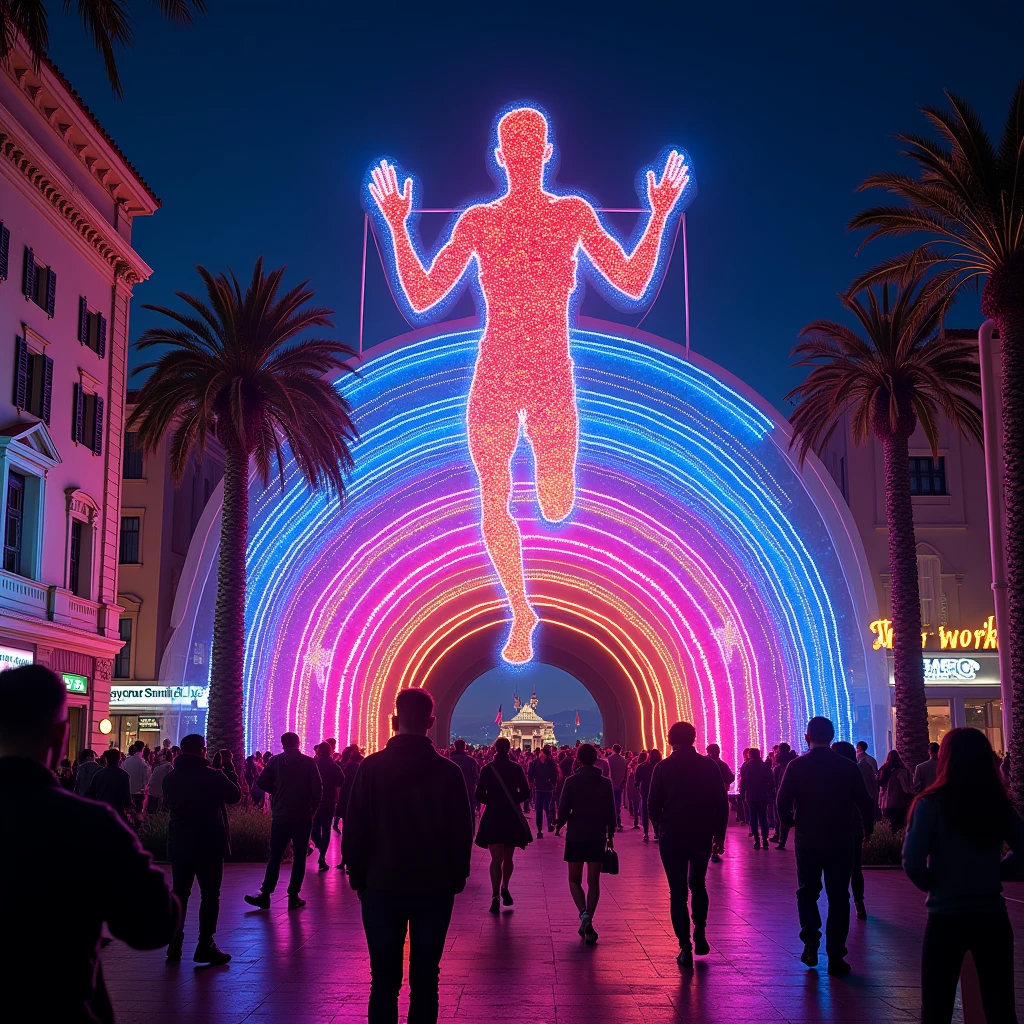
(493, 435)
(553, 429)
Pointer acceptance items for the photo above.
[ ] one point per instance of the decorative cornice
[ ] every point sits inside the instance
(77, 211)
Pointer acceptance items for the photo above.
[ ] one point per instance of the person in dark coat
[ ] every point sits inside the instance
(756, 790)
(332, 778)
(848, 751)
(115, 882)
(690, 805)
(198, 840)
(503, 790)
(785, 756)
(111, 785)
(820, 792)
(470, 770)
(88, 766)
(542, 777)
(587, 808)
(407, 842)
(293, 782)
(644, 774)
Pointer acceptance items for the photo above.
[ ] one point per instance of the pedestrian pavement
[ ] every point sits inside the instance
(528, 964)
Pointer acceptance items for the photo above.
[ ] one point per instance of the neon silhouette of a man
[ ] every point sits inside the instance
(526, 244)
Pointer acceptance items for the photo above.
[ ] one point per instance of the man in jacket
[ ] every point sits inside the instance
(88, 766)
(618, 769)
(542, 776)
(111, 785)
(407, 843)
(293, 782)
(644, 774)
(820, 793)
(198, 840)
(688, 802)
(470, 770)
(927, 771)
(332, 778)
(115, 881)
(138, 775)
(782, 760)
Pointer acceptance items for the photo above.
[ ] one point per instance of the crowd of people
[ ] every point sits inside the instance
(409, 815)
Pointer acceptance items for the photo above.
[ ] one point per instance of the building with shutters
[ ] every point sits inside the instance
(68, 199)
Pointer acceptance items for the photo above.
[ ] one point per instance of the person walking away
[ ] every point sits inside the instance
(332, 778)
(848, 751)
(224, 761)
(252, 773)
(198, 840)
(542, 777)
(870, 777)
(756, 789)
(138, 775)
(927, 772)
(408, 840)
(88, 766)
(156, 781)
(895, 791)
(118, 886)
(111, 785)
(587, 809)
(690, 805)
(470, 771)
(785, 755)
(864, 757)
(820, 793)
(951, 851)
(293, 782)
(644, 772)
(602, 765)
(633, 788)
(714, 752)
(618, 768)
(502, 789)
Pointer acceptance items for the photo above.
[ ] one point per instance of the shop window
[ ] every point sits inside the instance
(123, 658)
(986, 715)
(939, 719)
(39, 282)
(33, 380)
(87, 419)
(129, 549)
(928, 475)
(92, 328)
(131, 467)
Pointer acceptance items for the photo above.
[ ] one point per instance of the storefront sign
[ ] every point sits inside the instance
(14, 657)
(75, 684)
(158, 696)
(943, 670)
(147, 724)
(983, 639)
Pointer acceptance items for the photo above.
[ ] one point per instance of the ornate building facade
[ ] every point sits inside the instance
(528, 731)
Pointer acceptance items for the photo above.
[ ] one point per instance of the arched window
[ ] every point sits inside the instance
(929, 582)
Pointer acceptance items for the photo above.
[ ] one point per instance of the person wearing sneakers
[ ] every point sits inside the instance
(293, 782)
(587, 807)
(542, 776)
(198, 840)
(690, 806)
(820, 792)
(332, 779)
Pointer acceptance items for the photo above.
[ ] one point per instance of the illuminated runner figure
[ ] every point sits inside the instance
(526, 244)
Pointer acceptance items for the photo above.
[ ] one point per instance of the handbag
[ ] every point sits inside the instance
(610, 863)
(515, 807)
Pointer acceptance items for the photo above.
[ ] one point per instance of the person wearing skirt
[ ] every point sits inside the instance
(587, 808)
(502, 790)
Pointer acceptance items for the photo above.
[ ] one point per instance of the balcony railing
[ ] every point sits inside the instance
(23, 595)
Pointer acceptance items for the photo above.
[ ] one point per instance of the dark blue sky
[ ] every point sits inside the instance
(257, 126)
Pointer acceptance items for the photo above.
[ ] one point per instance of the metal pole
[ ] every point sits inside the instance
(686, 289)
(994, 494)
(362, 283)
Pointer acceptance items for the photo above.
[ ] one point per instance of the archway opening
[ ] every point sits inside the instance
(561, 700)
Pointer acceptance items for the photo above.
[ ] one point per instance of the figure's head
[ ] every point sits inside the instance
(862, 747)
(616, 749)
(714, 750)
(523, 147)
(820, 732)
(414, 712)
(681, 735)
(460, 746)
(502, 746)
(111, 757)
(587, 754)
(193, 744)
(933, 751)
(87, 755)
(844, 749)
(290, 741)
(33, 714)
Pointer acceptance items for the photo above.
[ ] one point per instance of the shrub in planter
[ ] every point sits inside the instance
(250, 835)
(884, 848)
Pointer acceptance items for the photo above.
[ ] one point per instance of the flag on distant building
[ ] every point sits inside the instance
(497, 717)
(515, 701)
(577, 719)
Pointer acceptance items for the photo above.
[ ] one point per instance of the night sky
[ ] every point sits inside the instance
(257, 126)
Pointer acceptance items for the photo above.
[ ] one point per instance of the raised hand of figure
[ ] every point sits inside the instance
(664, 194)
(395, 205)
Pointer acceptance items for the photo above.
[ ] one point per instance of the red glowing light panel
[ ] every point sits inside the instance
(526, 244)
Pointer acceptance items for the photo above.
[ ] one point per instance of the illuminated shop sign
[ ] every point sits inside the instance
(158, 696)
(982, 639)
(147, 724)
(75, 684)
(15, 657)
(942, 670)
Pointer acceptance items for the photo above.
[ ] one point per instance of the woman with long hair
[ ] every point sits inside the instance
(895, 791)
(952, 851)
(587, 807)
(502, 789)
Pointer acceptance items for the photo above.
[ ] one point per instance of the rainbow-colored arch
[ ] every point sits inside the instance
(702, 575)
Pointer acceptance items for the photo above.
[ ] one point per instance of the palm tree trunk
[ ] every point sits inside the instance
(908, 664)
(225, 727)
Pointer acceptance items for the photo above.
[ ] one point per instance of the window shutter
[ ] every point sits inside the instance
(101, 336)
(28, 281)
(83, 320)
(20, 373)
(47, 388)
(5, 251)
(77, 430)
(97, 428)
(51, 291)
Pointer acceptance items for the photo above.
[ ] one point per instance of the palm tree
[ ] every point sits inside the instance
(236, 371)
(107, 21)
(903, 372)
(968, 196)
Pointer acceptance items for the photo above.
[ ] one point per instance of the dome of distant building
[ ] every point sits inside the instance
(528, 731)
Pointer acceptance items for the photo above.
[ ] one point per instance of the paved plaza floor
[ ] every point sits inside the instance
(528, 965)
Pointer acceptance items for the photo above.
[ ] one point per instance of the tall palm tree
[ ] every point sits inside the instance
(900, 373)
(968, 197)
(237, 370)
(107, 21)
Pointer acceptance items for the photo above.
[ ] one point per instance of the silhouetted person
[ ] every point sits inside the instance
(543, 776)
(895, 790)
(857, 872)
(407, 842)
(198, 840)
(785, 755)
(644, 773)
(332, 778)
(115, 880)
(618, 769)
(757, 788)
(293, 782)
(927, 772)
(470, 770)
(864, 756)
(111, 785)
(88, 766)
(952, 852)
(690, 805)
(587, 807)
(819, 794)
(137, 767)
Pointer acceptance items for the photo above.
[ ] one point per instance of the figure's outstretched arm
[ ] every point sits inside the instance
(632, 274)
(423, 286)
